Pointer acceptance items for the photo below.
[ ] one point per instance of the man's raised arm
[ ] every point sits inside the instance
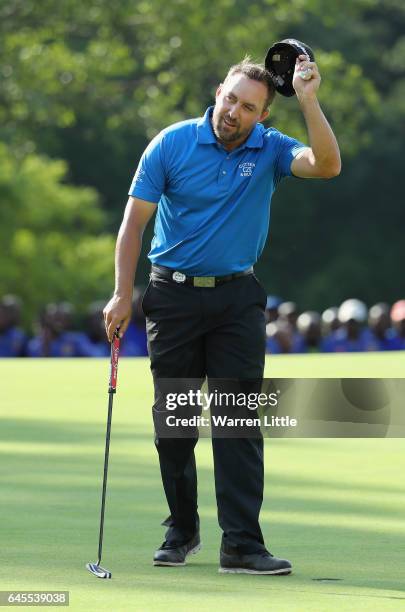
(322, 158)
(119, 309)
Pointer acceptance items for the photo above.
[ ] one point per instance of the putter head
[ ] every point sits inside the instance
(98, 571)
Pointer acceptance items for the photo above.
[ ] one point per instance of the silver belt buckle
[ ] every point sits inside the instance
(204, 281)
(179, 277)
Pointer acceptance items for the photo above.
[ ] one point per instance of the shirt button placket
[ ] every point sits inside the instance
(224, 172)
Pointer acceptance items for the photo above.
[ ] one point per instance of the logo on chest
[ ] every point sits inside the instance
(246, 169)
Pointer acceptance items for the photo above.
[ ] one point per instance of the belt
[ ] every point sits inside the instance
(161, 272)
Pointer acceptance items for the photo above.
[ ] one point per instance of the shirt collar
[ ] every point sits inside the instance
(205, 133)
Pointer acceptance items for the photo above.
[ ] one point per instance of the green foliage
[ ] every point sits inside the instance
(92, 82)
(111, 76)
(52, 236)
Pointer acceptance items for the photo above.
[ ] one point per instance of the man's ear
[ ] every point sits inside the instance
(264, 115)
(219, 89)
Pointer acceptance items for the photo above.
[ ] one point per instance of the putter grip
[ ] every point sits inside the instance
(115, 351)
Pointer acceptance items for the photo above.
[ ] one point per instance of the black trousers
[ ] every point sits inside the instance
(216, 332)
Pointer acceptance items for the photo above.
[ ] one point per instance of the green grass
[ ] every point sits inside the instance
(335, 507)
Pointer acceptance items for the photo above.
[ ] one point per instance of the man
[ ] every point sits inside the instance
(272, 304)
(279, 338)
(398, 320)
(309, 330)
(330, 321)
(95, 332)
(211, 180)
(13, 339)
(380, 335)
(351, 336)
(287, 316)
(56, 338)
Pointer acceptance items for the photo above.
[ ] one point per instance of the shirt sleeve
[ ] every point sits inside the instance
(150, 176)
(288, 149)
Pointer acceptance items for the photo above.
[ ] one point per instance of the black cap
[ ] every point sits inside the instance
(280, 62)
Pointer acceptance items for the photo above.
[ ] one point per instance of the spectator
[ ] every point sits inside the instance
(288, 311)
(398, 320)
(12, 337)
(64, 313)
(351, 336)
(279, 337)
(55, 338)
(95, 330)
(380, 335)
(309, 328)
(134, 341)
(330, 321)
(272, 304)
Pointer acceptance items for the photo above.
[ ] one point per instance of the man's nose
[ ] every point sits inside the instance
(233, 111)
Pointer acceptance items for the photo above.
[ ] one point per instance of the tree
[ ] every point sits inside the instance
(52, 235)
(90, 83)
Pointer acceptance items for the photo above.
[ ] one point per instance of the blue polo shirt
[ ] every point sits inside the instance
(213, 205)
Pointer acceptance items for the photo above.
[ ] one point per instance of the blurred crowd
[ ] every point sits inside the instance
(59, 333)
(351, 327)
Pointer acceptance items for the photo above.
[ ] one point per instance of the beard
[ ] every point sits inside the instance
(226, 129)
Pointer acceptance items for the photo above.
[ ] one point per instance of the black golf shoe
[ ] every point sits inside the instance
(173, 556)
(262, 562)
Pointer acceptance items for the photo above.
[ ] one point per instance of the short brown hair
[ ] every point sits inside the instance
(256, 72)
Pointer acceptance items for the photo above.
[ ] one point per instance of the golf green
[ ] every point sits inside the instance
(334, 507)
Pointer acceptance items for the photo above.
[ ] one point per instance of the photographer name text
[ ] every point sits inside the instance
(226, 421)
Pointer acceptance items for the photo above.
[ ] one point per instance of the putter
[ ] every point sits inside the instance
(95, 568)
